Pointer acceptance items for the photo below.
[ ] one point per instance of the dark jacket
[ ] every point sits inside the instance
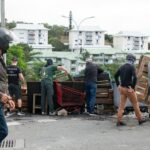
(127, 76)
(3, 78)
(91, 72)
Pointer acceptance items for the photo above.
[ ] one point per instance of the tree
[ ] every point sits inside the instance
(85, 55)
(11, 25)
(57, 35)
(28, 51)
(17, 51)
(58, 46)
(108, 39)
(34, 71)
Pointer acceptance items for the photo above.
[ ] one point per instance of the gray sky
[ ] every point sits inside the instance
(110, 15)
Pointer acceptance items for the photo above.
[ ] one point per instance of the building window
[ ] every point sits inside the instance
(80, 33)
(97, 41)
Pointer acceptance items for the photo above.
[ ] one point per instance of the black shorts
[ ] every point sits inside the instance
(15, 90)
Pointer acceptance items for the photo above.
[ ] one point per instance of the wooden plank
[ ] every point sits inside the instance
(101, 95)
(102, 90)
(104, 101)
(141, 85)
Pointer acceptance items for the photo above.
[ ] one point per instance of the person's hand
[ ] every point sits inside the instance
(11, 104)
(66, 73)
(5, 98)
(130, 90)
(24, 88)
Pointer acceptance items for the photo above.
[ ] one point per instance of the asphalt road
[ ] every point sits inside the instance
(78, 132)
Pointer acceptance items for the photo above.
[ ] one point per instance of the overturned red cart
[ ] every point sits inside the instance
(70, 95)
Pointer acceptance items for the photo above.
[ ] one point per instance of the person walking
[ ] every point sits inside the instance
(5, 38)
(126, 86)
(90, 73)
(47, 90)
(14, 77)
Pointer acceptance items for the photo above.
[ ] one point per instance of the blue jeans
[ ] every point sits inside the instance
(3, 125)
(90, 89)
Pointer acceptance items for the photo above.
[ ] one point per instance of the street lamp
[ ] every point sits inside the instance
(78, 27)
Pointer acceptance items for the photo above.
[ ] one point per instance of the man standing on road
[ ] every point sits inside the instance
(5, 38)
(14, 77)
(126, 87)
(47, 85)
(91, 72)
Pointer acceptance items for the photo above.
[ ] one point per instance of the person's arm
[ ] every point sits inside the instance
(134, 78)
(62, 69)
(21, 77)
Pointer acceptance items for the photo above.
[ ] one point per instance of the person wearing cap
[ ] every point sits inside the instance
(90, 73)
(5, 98)
(14, 77)
(126, 86)
(47, 86)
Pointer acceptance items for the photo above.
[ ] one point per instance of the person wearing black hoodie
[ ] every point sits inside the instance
(126, 86)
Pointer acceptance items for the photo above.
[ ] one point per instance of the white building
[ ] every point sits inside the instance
(128, 41)
(36, 35)
(86, 37)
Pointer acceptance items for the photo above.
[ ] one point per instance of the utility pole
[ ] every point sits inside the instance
(2, 13)
(70, 20)
(3, 19)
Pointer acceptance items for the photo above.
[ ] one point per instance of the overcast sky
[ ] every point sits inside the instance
(110, 15)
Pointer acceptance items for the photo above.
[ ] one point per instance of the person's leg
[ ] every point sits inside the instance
(87, 89)
(133, 98)
(123, 99)
(92, 96)
(11, 93)
(43, 96)
(50, 92)
(19, 100)
(3, 125)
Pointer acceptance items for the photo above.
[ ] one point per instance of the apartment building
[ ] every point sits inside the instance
(86, 37)
(36, 35)
(130, 41)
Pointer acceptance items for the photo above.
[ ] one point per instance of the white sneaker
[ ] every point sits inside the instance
(8, 114)
(52, 113)
(43, 113)
(20, 113)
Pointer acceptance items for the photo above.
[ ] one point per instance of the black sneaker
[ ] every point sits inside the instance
(120, 124)
(142, 121)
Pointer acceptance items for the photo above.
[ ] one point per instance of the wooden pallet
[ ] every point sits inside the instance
(104, 94)
(142, 84)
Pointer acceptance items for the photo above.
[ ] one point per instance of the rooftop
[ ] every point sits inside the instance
(30, 26)
(89, 28)
(132, 33)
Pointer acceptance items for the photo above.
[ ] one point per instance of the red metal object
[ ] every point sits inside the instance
(68, 97)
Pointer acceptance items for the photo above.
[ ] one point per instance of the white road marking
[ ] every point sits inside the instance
(14, 123)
